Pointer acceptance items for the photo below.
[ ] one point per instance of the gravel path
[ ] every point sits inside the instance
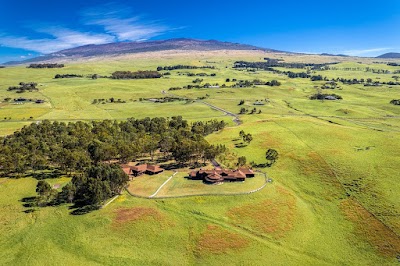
(158, 190)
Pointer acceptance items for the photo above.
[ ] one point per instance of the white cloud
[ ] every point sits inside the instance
(117, 23)
(364, 52)
(61, 38)
(122, 24)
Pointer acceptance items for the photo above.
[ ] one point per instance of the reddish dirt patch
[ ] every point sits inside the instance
(377, 234)
(275, 217)
(136, 214)
(216, 240)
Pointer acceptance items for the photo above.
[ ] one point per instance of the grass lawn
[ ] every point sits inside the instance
(180, 185)
(333, 200)
(146, 185)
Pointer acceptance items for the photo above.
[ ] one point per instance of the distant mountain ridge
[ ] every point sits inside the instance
(121, 48)
(389, 55)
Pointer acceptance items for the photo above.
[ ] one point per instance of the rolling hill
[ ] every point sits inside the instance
(389, 55)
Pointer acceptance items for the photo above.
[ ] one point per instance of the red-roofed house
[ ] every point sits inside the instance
(219, 175)
(141, 169)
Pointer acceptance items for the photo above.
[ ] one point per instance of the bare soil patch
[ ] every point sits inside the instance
(275, 217)
(129, 215)
(372, 230)
(215, 240)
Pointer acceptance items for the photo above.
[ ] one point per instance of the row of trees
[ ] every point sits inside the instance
(323, 96)
(160, 68)
(45, 66)
(63, 76)
(72, 147)
(196, 74)
(270, 63)
(239, 84)
(244, 110)
(135, 75)
(366, 82)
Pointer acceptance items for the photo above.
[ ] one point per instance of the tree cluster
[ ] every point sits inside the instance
(23, 87)
(63, 76)
(135, 75)
(90, 188)
(72, 147)
(110, 100)
(45, 66)
(169, 68)
(395, 102)
(251, 83)
(197, 74)
(245, 137)
(322, 96)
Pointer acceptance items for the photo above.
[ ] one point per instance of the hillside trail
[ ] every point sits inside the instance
(235, 117)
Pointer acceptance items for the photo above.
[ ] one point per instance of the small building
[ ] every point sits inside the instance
(127, 169)
(146, 169)
(141, 169)
(331, 98)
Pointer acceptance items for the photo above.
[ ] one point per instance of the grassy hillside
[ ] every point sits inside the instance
(333, 200)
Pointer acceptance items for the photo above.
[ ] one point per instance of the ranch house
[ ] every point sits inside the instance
(141, 169)
(219, 175)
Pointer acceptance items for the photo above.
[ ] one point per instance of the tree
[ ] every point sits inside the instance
(46, 193)
(271, 155)
(247, 138)
(241, 161)
(43, 188)
(243, 110)
(67, 193)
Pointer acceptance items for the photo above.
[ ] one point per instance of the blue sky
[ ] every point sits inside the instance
(362, 28)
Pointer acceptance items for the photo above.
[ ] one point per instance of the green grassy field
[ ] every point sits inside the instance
(333, 200)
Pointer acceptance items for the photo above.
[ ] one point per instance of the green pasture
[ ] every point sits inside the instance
(333, 200)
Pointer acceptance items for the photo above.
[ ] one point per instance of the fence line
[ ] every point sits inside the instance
(267, 180)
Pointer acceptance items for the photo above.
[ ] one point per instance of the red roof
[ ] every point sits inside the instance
(246, 171)
(147, 167)
(154, 168)
(218, 173)
(139, 168)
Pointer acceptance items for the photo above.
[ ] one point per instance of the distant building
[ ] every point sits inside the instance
(329, 97)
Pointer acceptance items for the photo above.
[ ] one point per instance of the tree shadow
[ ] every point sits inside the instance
(29, 202)
(47, 175)
(263, 165)
(240, 145)
(173, 166)
(81, 210)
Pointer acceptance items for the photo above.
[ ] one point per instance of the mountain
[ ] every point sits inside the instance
(121, 48)
(342, 55)
(389, 55)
